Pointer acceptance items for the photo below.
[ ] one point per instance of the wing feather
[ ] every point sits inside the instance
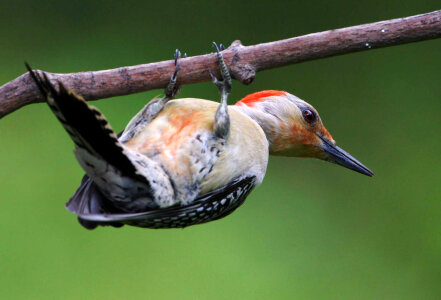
(210, 206)
(85, 124)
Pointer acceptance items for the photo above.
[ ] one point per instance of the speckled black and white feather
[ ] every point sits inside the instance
(211, 206)
(132, 181)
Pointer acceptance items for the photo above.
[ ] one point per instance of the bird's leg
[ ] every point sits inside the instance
(172, 89)
(154, 107)
(222, 119)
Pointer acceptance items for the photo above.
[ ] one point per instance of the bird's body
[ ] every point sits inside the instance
(186, 161)
(181, 139)
(183, 161)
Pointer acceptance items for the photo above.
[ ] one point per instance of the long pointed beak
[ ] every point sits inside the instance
(343, 158)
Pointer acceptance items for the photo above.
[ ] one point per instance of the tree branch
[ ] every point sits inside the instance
(243, 61)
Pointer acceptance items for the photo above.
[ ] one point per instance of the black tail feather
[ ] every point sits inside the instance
(86, 125)
(89, 200)
(37, 80)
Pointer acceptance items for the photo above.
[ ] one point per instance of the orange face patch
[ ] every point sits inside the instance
(326, 133)
(300, 135)
(291, 136)
(259, 96)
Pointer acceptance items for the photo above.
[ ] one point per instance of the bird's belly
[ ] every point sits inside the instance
(241, 157)
(188, 157)
(182, 141)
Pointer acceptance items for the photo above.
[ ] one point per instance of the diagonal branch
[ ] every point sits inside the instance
(243, 61)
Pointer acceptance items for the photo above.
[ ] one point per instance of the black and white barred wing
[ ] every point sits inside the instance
(117, 172)
(211, 206)
(86, 126)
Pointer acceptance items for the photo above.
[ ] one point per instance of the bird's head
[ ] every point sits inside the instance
(294, 128)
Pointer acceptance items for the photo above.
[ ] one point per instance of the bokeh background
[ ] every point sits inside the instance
(313, 230)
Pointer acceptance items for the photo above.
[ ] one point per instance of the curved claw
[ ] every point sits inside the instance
(211, 75)
(177, 64)
(214, 79)
(175, 73)
(177, 55)
(219, 48)
(215, 46)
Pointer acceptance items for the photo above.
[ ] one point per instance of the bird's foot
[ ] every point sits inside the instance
(223, 85)
(222, 119)
(173, 88)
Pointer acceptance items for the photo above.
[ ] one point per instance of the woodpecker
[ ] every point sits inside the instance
(186, 161)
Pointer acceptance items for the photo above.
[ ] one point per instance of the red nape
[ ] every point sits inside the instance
(259, 96)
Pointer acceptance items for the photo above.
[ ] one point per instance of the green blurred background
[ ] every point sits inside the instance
(313, 230)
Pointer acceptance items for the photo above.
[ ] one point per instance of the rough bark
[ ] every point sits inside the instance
(243, 61)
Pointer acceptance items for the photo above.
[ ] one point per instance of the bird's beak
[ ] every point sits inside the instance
(339, 156)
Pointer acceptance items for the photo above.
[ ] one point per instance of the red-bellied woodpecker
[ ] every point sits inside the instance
(187, 161)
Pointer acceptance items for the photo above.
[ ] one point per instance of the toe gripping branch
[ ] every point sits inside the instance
(172, 89)
(154, 107)
(222, 119)
(223, 85)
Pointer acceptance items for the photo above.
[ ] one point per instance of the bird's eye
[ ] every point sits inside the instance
(309, 116)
